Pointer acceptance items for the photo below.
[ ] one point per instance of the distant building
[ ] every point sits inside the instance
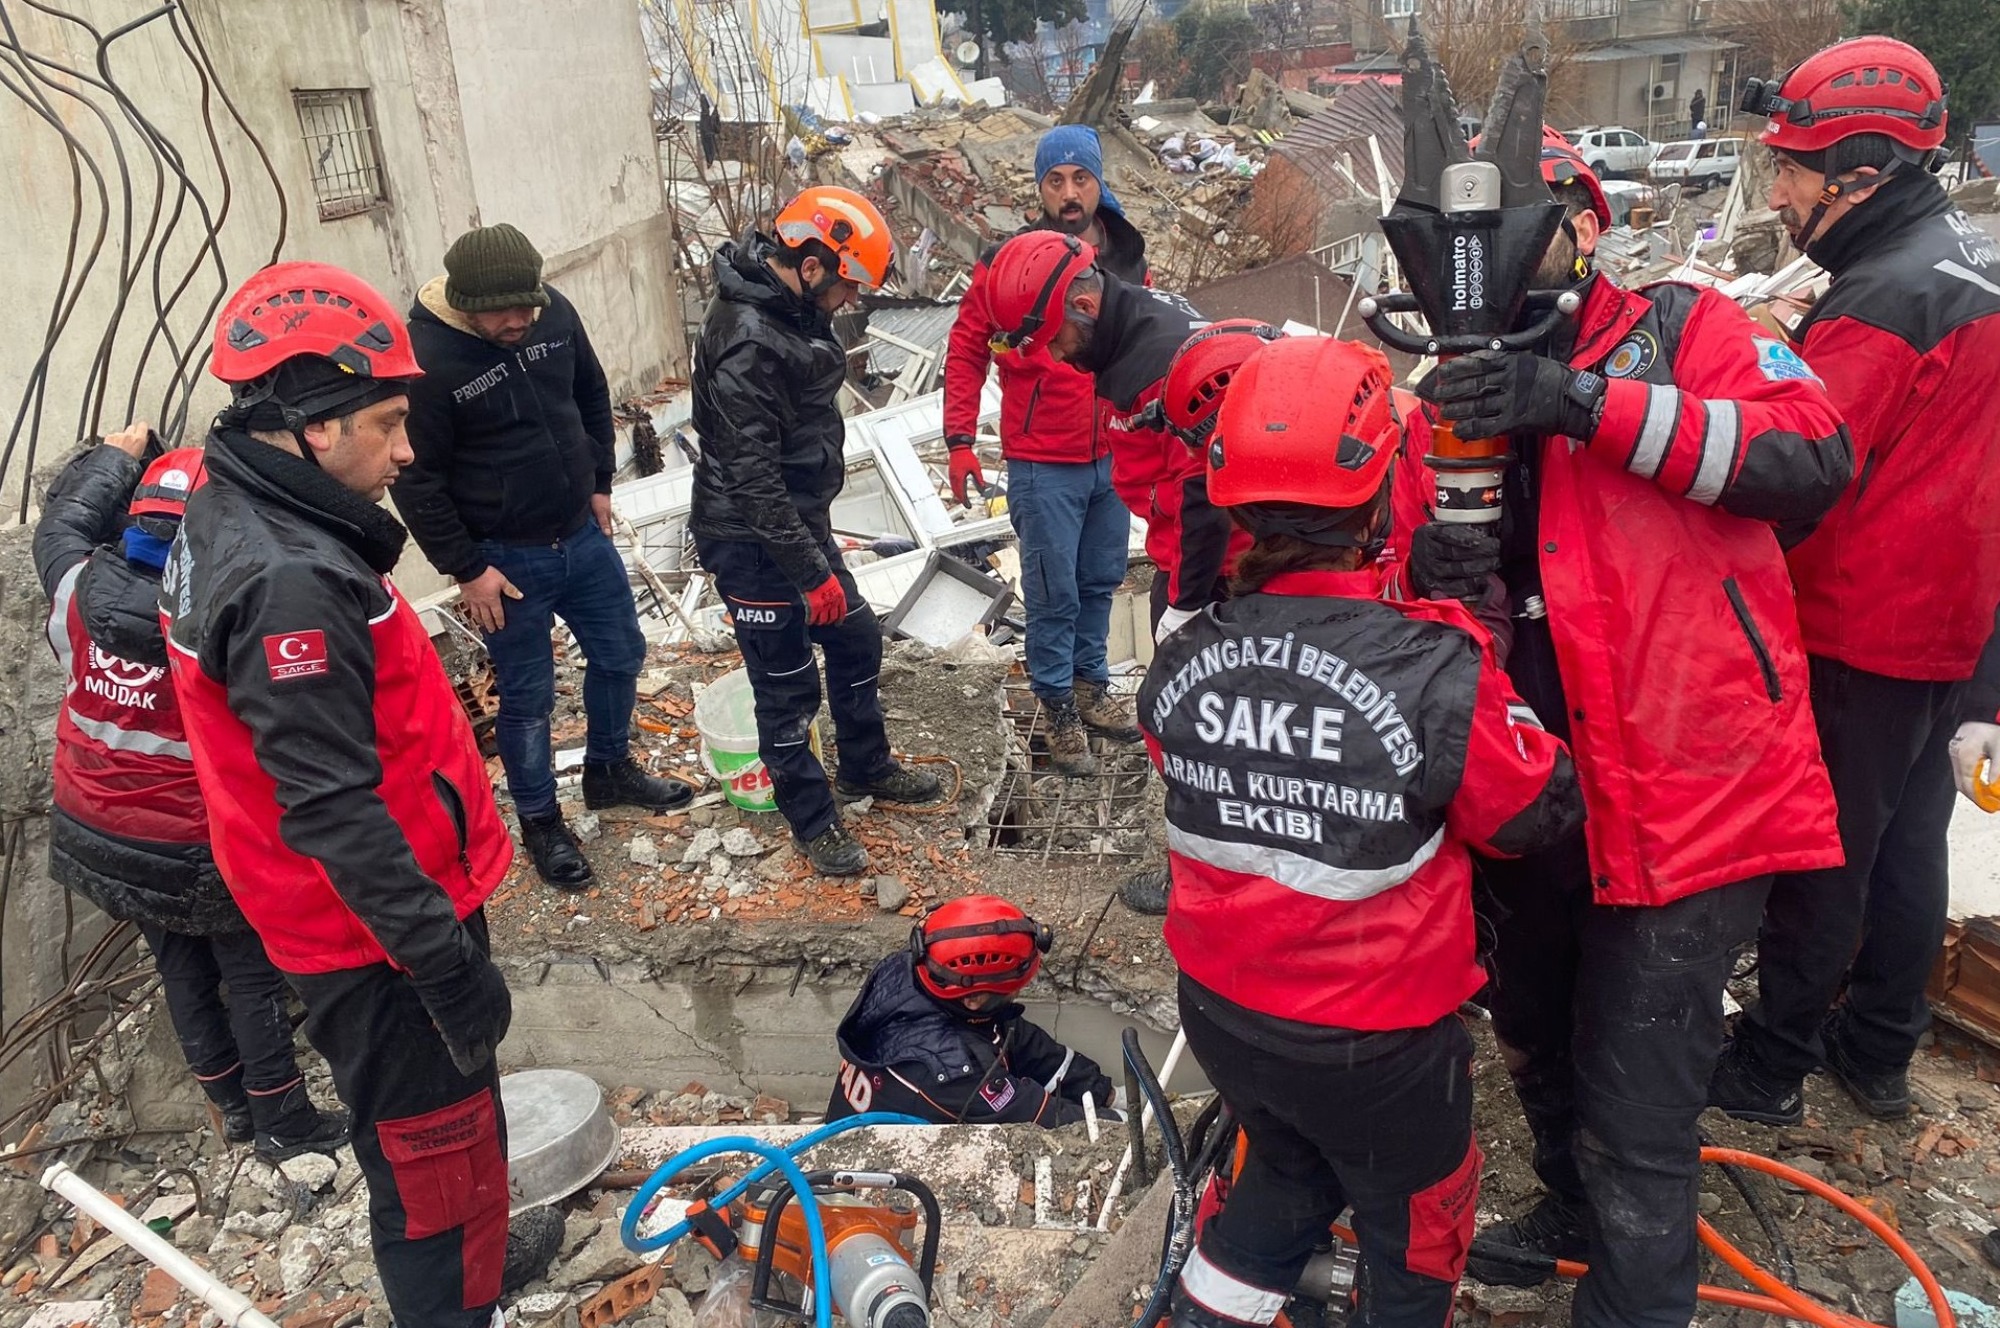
(1636, 63)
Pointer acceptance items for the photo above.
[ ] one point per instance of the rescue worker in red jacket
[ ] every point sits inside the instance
(1332, 759)
(1073, 530)
(1657, 439)
(1050, 293)
(347, 797)
(1896, 587)
(935, 1031)
(128, 830)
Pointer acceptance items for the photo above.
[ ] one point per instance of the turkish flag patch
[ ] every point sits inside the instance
(296, 655)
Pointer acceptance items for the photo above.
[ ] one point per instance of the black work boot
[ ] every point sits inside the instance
(555, 852)
(834, 852)
(1145, 891)
(1743, 1089)
(1884, 1094)
(1553, 1229)
(289, 1124)
(1069, 742)
(899, 784)
(1103, 713)
(232, 1105)
(626, 784)
(533, 1237)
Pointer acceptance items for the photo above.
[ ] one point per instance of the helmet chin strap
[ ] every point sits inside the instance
(1832, 187)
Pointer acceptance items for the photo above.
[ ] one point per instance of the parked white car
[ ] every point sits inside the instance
(1697, 163)
(1611, 149)
(1624, 195)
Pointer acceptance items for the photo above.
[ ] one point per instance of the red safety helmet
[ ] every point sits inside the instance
(1308, 420)
(291, 309)
(1867, 85)
(1200, 371)
(848, 224)
(168, 483)
(980, 943)
(1029, 281)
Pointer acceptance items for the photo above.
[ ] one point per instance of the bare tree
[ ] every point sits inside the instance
(1777, 34)
(1471, 38)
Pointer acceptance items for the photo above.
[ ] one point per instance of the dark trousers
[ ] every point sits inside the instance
(1074, 531)
(1610, 1020)
(777, 645)
(1878, 921)
(238, 1046)
(580, 579)
(430, 1141)
(1382, 1122)
(1157, 599)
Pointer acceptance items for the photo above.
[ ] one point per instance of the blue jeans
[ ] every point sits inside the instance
(581, 579)
(1074, 531)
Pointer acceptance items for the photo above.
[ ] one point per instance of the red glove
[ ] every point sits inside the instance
(826, 603)
(964, 467)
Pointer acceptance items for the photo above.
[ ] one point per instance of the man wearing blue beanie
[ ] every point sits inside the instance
(1071, 524)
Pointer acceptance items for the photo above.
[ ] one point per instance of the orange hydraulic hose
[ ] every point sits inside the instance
(1778, 1299)
(1882, 1231)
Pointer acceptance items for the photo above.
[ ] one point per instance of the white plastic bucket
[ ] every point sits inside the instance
(726, 717)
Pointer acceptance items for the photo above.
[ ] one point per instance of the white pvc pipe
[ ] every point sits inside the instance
(1145, 1118)
(234, 1307)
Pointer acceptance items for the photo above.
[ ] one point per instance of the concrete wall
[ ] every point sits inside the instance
(557, 119)
(746, 1028)
(481, 112)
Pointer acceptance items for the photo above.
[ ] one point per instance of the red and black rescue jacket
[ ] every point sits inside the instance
(1668, 653)
(1331, 760)
(1162, 479)
(349, 805)
(1048, 411)
(128, 830)
(1902, 576)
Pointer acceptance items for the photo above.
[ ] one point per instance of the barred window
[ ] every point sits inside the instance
(342, 150)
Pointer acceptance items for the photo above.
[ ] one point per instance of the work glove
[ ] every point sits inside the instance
(826, 603)
(469, 1005)
(1973, 746)
(1171, 621)
(1490, 393)
(965, 469)
(1452, 560)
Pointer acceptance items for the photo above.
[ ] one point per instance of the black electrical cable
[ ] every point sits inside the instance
(1180, 1240)
(1781, 1249)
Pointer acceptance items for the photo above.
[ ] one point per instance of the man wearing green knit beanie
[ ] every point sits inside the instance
(510, 495)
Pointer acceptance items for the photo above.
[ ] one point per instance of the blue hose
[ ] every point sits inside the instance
(778, 1160)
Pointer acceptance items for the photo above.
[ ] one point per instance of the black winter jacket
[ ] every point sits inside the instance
(767, 375)
(511, 441)
(904, 1050)
(174, 886)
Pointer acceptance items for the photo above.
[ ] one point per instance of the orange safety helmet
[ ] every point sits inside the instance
(980, 943)
(1200, 372)
(1868, 85)
(848, 224)
(1029, 281)
(1308, 421)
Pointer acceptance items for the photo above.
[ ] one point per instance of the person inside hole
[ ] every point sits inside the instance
(937, 1033)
